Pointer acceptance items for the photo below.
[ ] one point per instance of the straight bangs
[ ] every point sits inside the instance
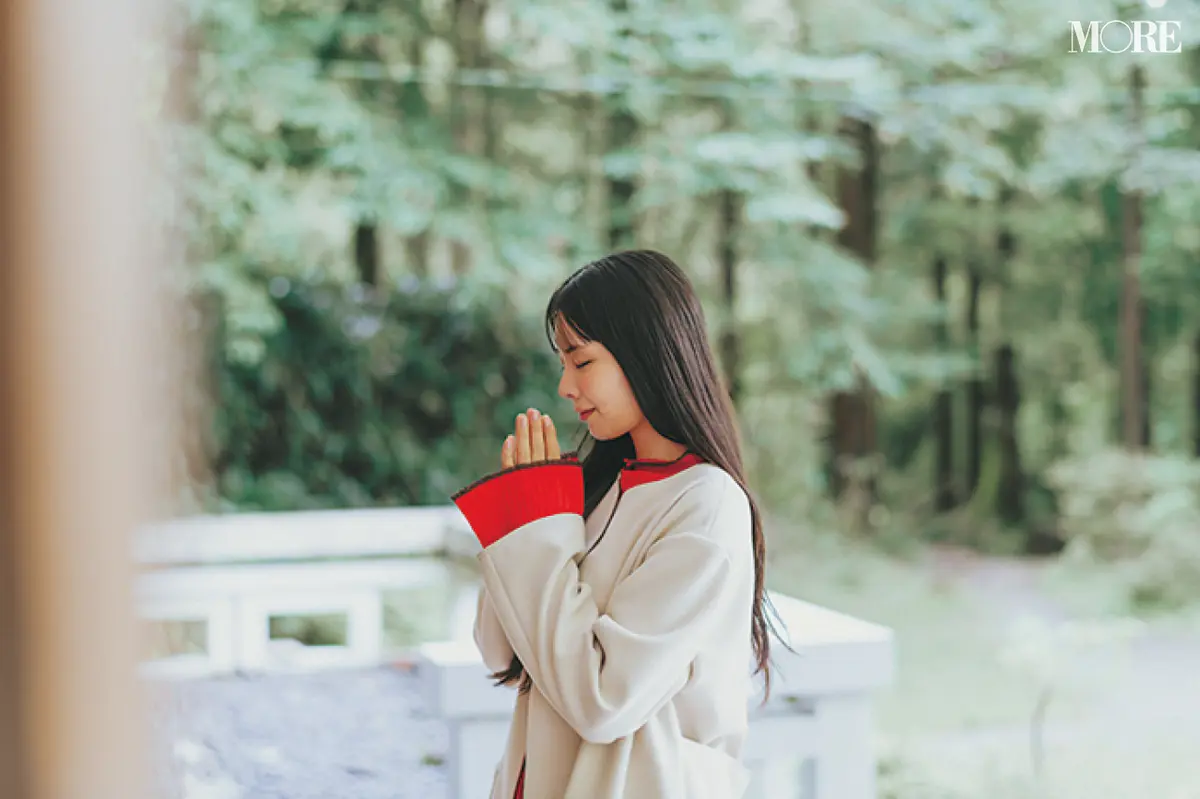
(581, 306)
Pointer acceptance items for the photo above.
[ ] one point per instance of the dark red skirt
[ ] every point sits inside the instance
(520, 792)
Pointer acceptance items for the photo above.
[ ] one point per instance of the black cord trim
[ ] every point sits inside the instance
(570, 459)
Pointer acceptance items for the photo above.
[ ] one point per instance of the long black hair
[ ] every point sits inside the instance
(641, 306)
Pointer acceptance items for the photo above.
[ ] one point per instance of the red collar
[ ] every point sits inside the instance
(637, 472)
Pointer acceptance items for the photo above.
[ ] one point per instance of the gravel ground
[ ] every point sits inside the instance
(334, 735)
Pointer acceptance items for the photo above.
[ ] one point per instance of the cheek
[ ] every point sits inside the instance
(611, 393)
(608, 391)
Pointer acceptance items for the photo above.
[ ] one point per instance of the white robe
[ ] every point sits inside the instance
(640, 651)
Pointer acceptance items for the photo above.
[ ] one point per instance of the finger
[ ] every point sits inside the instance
(506, 454)
(523, 453)
(553, 452)
(537, 437)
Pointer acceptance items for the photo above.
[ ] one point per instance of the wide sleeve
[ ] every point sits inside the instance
(504, 501)
(490, 637)
(608, 674)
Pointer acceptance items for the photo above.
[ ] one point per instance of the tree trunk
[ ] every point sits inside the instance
(1130, 335)
(416, 251)
(945, 497)
(414, 110)
(1196, 395)
(366, 253)
(975, 388)
(1193, 67)
(622, 133)
(1010, 506)
(591, 121)
(731, 351)
(366, 233)
(852, 412)
(465, 116)
(1147, 434)
(809, 121)
(729, 228)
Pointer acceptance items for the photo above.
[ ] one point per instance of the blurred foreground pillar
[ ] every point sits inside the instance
(77, 411)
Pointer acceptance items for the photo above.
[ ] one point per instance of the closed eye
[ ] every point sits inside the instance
(581, 365)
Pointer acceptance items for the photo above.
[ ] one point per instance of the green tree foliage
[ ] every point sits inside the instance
(364, 400)
(350, 148)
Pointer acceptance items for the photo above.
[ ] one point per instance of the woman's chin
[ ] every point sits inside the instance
(598, 431)
(602, 432)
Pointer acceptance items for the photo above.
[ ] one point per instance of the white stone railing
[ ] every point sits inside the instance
(234, 573)
(812, 740)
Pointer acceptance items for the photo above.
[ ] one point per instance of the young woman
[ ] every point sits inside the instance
(623, 591)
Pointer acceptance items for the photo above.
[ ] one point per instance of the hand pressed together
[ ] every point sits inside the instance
(535, 440)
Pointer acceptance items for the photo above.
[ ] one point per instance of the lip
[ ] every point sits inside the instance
(583, 415)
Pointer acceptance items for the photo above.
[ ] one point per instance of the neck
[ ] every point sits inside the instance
(649, 445)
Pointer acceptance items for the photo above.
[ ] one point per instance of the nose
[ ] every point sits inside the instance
(566, 386)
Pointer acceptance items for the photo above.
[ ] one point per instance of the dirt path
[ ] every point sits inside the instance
(1012, 586)
(1138, 692)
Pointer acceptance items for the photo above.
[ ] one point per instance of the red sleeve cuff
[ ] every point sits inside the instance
(507, 500)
